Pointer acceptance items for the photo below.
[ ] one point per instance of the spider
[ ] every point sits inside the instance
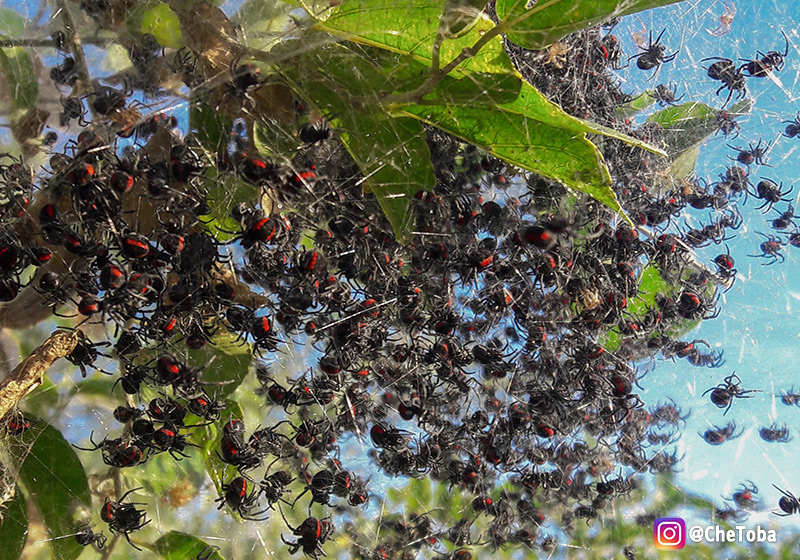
(775, 434)
(235, 495)
(793, 127)
(771, 249)
(788, 503)
(731, 77)
(725, 21)
(312, 534)
(770, 192)
(664, 94)
(723, 394)
(752, 154)
(639, 37)
(727, 124)
(745, 497)
(761, 67)
(557, 55)
(654, 54)
(717, 436)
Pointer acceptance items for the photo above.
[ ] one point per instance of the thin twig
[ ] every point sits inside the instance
(9, 43)
(74, 41)
(29, 374)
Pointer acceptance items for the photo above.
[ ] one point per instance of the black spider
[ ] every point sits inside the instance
(732, 78)
(654, 54)
(762, 66)
(665, 94)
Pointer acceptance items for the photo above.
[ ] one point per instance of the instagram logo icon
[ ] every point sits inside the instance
(669, 533)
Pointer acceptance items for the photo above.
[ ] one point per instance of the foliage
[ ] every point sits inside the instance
(385, 74)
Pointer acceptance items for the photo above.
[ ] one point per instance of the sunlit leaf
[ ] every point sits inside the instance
(13, 527)
(223, 372)
(157, 19)
(263, 22)
(211, 128)
(396, 162)
(529, 143)
(634, 106)
(689, 124)
(115, 59)
(683, 166)
(12, 23)
(375, 23)
(535, 26)
(19, 74)
(180, 546)
(56, 482)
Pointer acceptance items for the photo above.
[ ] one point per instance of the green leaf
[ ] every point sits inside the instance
(263, 22)
(12, 23)
(211, 128)
(227, 191)
(547, 21)
(180, 546)
(56, 482)
(207, 439)
(13, 527)
(162, 472)
(115, 59)
(634, 106)
(689, 124)
(158, 19)
(375, 23)
(391, 152)
(521, 134)
(229, 370)
(684, 165)
(16, 68)
(396, 162)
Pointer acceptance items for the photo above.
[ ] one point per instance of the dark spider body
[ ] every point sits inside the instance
(124, 518)
(654, 54)
(788, 503)
(665, 95)
(752, 155)
(775, 434)
(771, 249)
(732, 78)
(773, 60)
(792, 127)
(724, 394)
(770, 192)
(718, 436)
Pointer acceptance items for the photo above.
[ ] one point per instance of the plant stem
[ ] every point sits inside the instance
(74, 41)
(28, 374)
(9, 43)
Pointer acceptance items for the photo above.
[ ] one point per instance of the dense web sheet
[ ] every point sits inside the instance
(438, 512)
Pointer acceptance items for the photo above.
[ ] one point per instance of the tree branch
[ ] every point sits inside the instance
(29, 374)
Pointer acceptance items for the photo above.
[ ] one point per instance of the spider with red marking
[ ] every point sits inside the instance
(762, 66)
(312, 534)
(235, 494)
(124, 518)
(753, 154)
(723, 395)
(771, 249)
(770, 192)
(775, 434)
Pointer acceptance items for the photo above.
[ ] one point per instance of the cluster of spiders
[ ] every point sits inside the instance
(473, 355)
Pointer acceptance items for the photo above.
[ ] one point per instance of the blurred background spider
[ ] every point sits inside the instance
(725, 21)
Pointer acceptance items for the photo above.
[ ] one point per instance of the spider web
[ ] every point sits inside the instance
(755, 329)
